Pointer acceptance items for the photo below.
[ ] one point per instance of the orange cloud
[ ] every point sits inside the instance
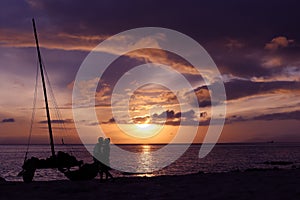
(278, 42)
(272, 62)
(62, 41)
(162, 57)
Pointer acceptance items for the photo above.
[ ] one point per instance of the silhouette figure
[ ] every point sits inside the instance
(106, 160)
(98, 149)
(97, 156)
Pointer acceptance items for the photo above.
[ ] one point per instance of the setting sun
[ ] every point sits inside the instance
(143, 126)
(147, 130)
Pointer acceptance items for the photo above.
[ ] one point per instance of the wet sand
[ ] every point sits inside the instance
(271, 184)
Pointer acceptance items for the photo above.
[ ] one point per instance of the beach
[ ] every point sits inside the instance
(251, 184)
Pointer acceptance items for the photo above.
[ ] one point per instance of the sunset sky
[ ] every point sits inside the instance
(254, 44)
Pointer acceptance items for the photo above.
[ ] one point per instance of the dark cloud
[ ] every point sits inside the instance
(235, 118)
(293, 115)
(110, 121)
(184, 118)
(169, 114)
(57, 121)
(209, 18)
(236, 89)
(234, 32)
(14, 14)
(174, 119)
(8, 120)
(169, 117)
(253, 20)
(279, 116)
(242, 88)
(242, 65)
(203, 96)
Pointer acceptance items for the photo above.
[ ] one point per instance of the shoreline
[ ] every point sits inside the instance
(251, 184)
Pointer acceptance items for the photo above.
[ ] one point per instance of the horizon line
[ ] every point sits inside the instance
(219, 143)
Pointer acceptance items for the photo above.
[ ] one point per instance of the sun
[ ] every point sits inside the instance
(144, 130)
(143, 126)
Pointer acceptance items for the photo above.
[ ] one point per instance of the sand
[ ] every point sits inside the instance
(272, 184)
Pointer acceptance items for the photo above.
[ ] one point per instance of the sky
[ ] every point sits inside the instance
(254, 44)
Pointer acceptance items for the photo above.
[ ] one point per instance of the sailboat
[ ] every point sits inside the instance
(60, 160)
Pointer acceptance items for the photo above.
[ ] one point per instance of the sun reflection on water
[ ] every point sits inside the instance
(146, 148)
(145, 160)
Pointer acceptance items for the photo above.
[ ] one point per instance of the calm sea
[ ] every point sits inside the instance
(223, 158)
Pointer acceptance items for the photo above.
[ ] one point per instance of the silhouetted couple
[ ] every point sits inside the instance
(101, 157)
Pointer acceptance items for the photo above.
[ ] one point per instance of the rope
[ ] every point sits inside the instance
(55, 105)
(57, 112)
(33, 112)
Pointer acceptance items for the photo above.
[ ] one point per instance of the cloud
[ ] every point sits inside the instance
(57, 121)
(292, 115)
(165, 58)
(203, 96)
(236, 89)
(244, 63)
(169, 114)
(141, 120)
(103, 95)
(279, 116)
(234, 44)
(184, 118)
(50, 40)
(152, 94)
(34, 4)
(272, 62)
(168, 117)
(8, 120)
(82, 42)
(289, 74)
(96, 16)
(278, 42)
(110, 121)
(239, 88)
(235, 118)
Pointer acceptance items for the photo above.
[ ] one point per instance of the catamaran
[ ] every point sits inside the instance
(62, 161)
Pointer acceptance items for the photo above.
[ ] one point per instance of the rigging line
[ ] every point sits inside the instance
(56, 107)
(54, 102)
(33, 111)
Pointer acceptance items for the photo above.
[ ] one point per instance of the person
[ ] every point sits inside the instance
(97, 154)
(106, 160)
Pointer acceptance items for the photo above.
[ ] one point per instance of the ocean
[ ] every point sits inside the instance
(223, 158)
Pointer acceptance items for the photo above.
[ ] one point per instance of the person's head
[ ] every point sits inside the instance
(100, 140)
(107, 141)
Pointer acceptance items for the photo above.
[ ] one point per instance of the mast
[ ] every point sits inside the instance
(44, 89)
